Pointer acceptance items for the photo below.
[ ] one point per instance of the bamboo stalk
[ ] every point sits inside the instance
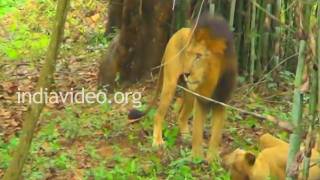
(244, 55)
(239, 32)
(266, 38)
(253, 42)
(260, 37)
(212, 8)
(46, 77)
(307, 155)
(277, 33)
(312, 124)
(313, 108)
(218, 5)
(295, 137)
(288, 19)
(180, 13)
(232, 10)
(318, 57)
(307, 14)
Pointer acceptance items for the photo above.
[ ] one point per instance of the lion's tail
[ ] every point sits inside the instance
(135, 113)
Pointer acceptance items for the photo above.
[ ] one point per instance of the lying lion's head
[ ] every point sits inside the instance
(239, 163)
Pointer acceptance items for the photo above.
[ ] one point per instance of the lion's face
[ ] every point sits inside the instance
(197, 56)
(238, 163)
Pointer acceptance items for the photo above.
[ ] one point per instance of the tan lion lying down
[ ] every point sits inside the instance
(269, 163)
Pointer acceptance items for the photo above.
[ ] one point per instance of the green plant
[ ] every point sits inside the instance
(62, 162)
(171, 135)
(7, 6)
(125, 169)
(6, 150)
(100, 173)
(70, 124)
(25, 37)
(218, 172)
(179, 169)
(92, 151)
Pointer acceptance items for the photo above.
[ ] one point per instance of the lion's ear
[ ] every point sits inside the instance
(250, 158)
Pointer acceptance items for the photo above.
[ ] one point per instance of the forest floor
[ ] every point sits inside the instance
(95, 141)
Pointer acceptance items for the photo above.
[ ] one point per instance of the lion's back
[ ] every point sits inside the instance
(179, 39)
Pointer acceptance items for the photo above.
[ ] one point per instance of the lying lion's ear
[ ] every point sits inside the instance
(250, 158)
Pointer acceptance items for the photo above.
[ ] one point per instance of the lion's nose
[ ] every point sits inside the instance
(198, 55)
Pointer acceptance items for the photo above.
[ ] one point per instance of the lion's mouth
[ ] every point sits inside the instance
(193, 82)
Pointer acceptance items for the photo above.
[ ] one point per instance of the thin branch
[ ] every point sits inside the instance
(269, 14)
(284, 125)
(261, 80)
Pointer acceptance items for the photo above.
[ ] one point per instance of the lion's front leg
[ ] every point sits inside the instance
(186, 110)
(217, 121)
(200, 112)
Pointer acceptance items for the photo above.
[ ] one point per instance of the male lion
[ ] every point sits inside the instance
(206, 58)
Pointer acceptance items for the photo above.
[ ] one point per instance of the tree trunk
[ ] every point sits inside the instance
(46, 78)
(318, 60)
(144, 33)
(114, 16)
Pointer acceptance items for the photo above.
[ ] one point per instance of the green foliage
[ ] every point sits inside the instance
(219, 172)
(70, 124)
(98, 38)
(7, 6)
(92, 151)
(147, 125)
(170, 136)
(61, 162)
(49, 132)
(6, 150)
(27, 33)
(105, 107)
(127, 170)
(100, 173)
(25, 36)
(179, 169)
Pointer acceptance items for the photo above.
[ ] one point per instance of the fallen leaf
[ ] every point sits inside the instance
(10, 87)
(95, 17)
(5, 114)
